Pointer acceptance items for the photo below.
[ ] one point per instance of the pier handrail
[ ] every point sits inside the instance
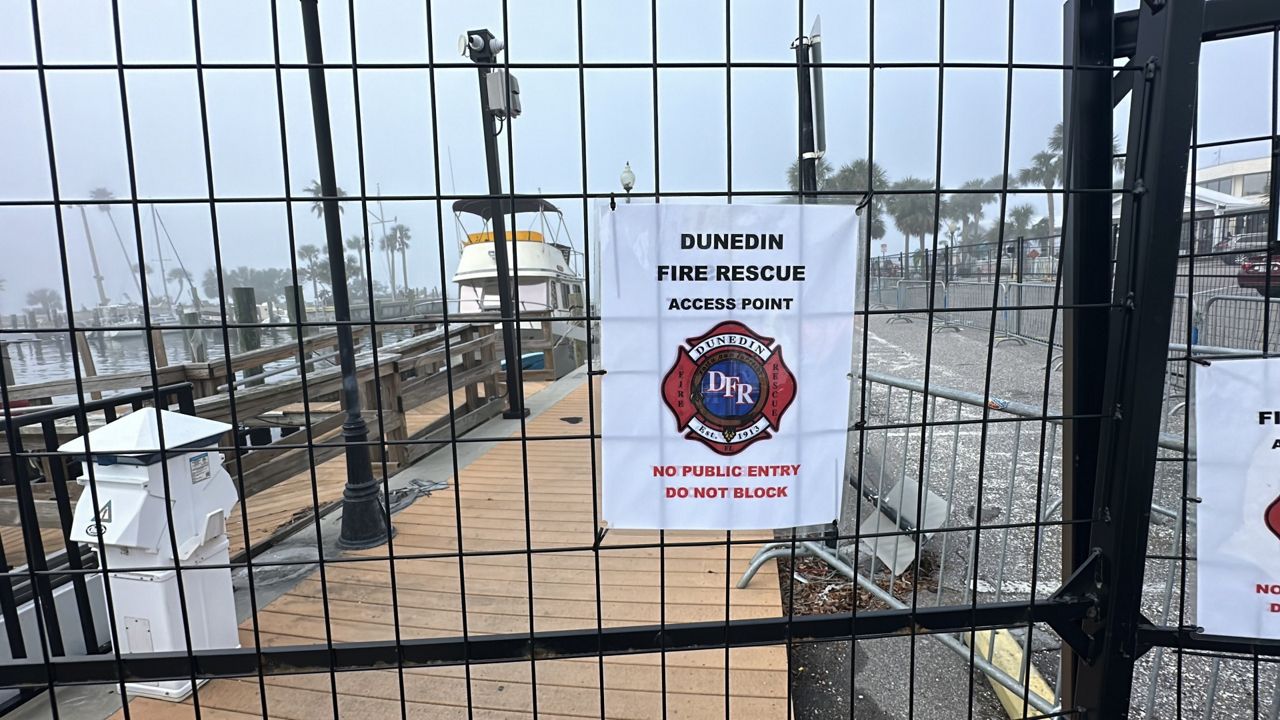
(410, 374)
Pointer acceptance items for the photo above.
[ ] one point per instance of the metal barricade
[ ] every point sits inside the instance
(935, 434)
(1032, 312)
(1242, 322)
(970, 303)
(882, 292)
(969, 452)
(915, 297)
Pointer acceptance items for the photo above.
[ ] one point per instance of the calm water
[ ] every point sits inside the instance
(51, 357)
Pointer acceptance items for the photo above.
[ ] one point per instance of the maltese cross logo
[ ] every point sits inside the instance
(729, 388)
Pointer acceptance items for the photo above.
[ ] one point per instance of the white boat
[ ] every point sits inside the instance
(124, 321)
(541, 259)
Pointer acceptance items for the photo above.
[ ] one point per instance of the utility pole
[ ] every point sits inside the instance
(809, 92)
(483, 49)
(807, 157)
(364, 520)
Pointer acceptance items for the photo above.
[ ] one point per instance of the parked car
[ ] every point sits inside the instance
(1261, 272)
(1237, 249)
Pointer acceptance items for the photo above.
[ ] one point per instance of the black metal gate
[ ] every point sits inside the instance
(369, 381)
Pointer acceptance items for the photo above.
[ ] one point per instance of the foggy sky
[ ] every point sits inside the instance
(694, 135)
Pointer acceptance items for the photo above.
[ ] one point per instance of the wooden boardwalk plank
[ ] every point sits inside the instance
(636, 586)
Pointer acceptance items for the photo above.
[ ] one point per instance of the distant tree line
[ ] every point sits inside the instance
(918, 210)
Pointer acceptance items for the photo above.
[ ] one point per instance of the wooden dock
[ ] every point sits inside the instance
(405, 399)
(636, 587)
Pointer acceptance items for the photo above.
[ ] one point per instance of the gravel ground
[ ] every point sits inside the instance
(1005, 473)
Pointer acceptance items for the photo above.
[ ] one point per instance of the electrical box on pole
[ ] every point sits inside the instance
(496, 89)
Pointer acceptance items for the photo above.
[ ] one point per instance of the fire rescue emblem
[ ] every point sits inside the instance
(729, 388)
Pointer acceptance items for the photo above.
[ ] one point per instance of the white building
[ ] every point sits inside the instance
(1242, 178)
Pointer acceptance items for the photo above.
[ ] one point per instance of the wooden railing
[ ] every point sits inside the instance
(404, 397)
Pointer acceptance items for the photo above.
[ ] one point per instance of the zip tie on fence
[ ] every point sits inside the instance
(600, 534)
(866, 200)
(1199, 361)
(597, 372)
(613, 202)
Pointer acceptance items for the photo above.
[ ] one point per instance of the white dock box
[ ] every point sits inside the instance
(131, 522)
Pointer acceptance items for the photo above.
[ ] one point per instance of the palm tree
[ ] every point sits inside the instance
(850, 180)
(1020, 219)
(388, 245)
(146, 267)
(310, 257)
(50, 301)
(1056, 142)
(1056, 146)
(355, 281)
(317, 205)
(858, 179)
(356, 244)
(823, 171)
(968, 207)
(1045, 170)
(103, 196)
(912, 210)
(401, 234)
(183, 279)
(267, 283)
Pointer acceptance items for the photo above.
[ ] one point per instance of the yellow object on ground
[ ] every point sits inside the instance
(1006, 654)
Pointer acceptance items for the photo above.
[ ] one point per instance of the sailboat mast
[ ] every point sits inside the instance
(453, 190)
(93, 259)
(164, 278)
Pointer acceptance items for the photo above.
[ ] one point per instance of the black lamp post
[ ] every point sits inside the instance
(364, 521)
(498, 99)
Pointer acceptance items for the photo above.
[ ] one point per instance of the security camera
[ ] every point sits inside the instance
(479, 43)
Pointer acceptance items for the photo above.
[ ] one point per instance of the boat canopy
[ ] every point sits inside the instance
(519, 235)
(483, 207)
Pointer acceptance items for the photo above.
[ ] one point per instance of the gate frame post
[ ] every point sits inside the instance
(1161, 118)
(1086, 272)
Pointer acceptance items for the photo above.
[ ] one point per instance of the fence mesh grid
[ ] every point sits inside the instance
(499, 593)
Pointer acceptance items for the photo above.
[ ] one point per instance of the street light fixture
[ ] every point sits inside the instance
(628, 179)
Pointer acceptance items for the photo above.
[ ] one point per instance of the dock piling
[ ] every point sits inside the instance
(246, 312)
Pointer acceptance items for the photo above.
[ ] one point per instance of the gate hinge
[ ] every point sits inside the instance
(1085, 584)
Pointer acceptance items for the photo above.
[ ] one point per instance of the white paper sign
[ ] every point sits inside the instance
(1238, 480)
(727, 335)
